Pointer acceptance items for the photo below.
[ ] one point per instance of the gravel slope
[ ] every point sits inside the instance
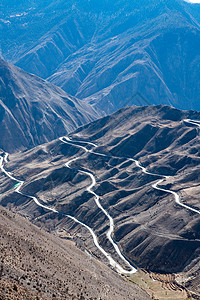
(37, 265)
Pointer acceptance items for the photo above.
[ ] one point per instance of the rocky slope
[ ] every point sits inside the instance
(33, 111)
(109, 54)
(151, 230)
(37, 265)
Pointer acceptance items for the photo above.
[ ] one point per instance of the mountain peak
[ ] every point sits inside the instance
(33, 111)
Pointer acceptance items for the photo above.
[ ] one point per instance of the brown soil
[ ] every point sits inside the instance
(37, 265)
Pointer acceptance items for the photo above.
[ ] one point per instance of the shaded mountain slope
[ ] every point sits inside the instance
(33, 111)
(109, 54)
(151, 230)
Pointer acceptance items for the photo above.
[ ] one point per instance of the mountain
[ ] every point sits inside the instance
(33, 111)
(38, 265)
(155, 210)
(110, 54)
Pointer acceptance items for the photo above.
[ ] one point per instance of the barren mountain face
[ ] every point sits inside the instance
(143, 164)
(111, 53)
(37, 265)
(101, 150)
(33, 111)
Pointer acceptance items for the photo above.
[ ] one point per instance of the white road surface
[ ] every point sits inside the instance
(112, 262)
(97, 200)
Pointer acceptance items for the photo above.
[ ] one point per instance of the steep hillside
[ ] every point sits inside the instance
(37, 265)
(111, 54)
(156, 217)
(33, 111)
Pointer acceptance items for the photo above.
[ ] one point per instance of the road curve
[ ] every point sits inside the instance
(144, 170)
(156, 185)
(97, 198)
(112, 262)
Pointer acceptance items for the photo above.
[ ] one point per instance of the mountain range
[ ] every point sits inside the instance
(152, 229)
(110, 54)
(99, 148)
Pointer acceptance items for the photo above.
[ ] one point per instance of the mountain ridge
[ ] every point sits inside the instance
(149, 223)
(33, 111)
(110, 55)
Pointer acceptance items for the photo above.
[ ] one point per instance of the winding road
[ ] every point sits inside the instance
(109, 233)
(89, 189)
(112, 262)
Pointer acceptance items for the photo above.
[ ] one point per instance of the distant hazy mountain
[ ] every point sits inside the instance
(111, 53)
(33, 111)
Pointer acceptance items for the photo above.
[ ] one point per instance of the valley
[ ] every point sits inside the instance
(110, 55)
(99, 150)
(129, 214)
